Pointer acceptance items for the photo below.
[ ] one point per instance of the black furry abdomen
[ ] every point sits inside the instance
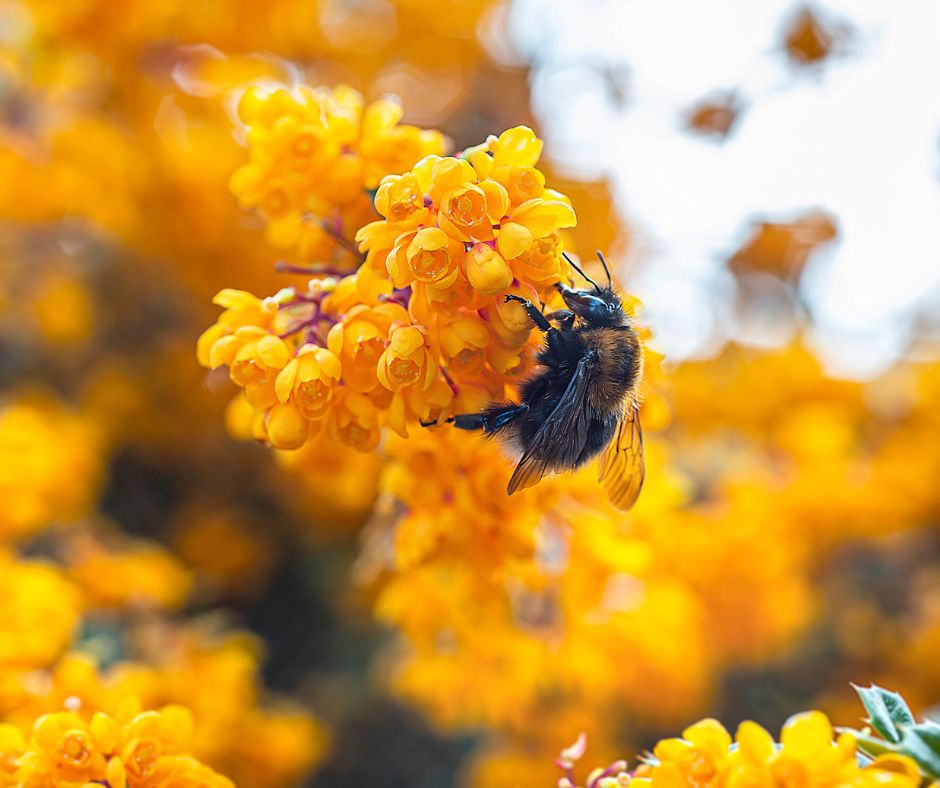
(614, 369)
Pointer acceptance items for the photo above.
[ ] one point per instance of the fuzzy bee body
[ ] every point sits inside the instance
(581, 403)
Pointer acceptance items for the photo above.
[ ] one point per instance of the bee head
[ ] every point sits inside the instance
(599, 306)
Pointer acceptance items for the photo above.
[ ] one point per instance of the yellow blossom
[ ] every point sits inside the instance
(50, 465)
(307, 381)
(360, 339)
(39, 612)
(487, 270)
(407, 360)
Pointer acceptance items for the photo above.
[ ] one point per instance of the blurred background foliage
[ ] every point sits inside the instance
(296, 602)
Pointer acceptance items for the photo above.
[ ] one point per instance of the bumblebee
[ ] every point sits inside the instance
(582, 401)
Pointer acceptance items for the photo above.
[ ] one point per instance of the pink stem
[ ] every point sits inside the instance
(283, 267)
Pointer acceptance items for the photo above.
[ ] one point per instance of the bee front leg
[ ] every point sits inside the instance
(532, 311)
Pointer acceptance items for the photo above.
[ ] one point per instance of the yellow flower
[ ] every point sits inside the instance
(148, 743)
(356, 420)
(308, 380)
(400, 200)
(286, 427)
(469, 211)
(533, 260)
(50, 465)
(316, 152)
(516, 147)
(543, 217)
(699, 758)
(428, 256)
(359, 341)
(808, 756)
(438, 177)
(487, 271)
(39, 612)
(524, 183)
(254, 357)
(408, 359)
(463, 340)
(67, 750)
(241, 310)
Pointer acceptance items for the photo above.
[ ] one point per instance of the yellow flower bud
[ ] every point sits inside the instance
(287, 428)
(516, 147)
(487, 270)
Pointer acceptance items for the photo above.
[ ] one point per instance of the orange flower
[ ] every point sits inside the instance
(360, 340)
(356, 420)
(308, 380)
(427, 256)
(67, 749)
(407, 360)
(463, 339)
(400, 200)
(487, 271)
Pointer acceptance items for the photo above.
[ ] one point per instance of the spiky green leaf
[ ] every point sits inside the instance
(887, 711)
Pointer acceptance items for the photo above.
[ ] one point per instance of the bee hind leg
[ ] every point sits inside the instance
(489, 420)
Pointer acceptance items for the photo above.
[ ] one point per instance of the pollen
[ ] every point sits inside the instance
(74, 749)
(403, 371)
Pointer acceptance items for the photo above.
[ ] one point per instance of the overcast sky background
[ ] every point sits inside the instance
(858, 137)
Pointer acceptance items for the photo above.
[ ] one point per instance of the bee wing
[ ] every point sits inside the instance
(566, 427)
(621, 468)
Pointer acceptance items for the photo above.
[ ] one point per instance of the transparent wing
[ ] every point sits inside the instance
(561, 437)
(621, 468)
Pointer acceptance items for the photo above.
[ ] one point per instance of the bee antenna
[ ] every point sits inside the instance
(575, 267)
(610, 282)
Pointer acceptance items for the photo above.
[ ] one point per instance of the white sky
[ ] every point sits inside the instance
(858, 138)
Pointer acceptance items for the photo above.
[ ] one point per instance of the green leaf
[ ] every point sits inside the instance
(922, 743)
(929, 732)
(887, 711)
(872, 746)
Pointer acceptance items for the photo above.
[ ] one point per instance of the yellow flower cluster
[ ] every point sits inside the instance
(134, 749)
(706, 757)
(92, 598)
(215, 679)
(49, 466)
(806, 755)
(423, 326)
(315, 154)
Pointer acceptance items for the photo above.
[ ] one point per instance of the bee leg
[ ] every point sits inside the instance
(488, 420)
(532, 311)
(564, 318)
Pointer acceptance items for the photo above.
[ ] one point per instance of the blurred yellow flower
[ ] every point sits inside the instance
(39, 612)
(50, 465)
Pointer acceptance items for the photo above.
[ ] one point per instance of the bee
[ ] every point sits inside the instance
(582, 401)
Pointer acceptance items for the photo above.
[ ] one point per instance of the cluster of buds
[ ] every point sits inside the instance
(316, 154)
(423, 328)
